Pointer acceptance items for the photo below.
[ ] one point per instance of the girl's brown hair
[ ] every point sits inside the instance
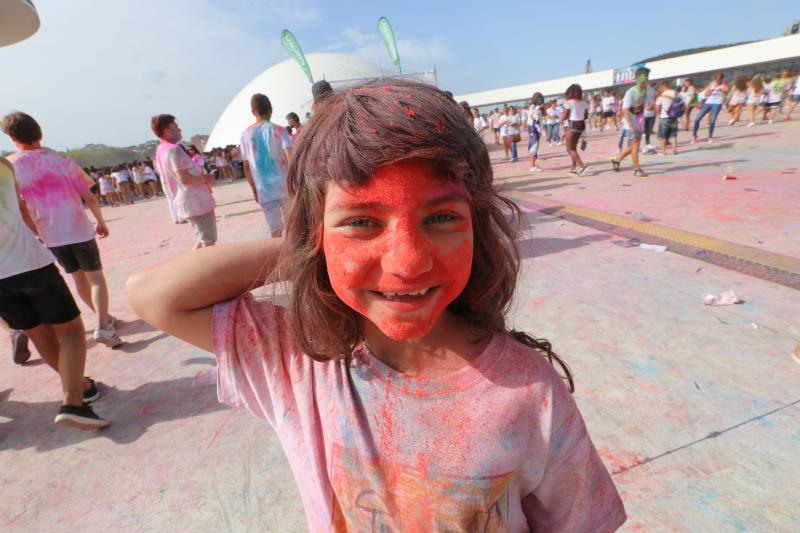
(352, 134)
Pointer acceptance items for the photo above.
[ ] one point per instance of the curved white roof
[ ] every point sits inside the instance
(18, 20)
(288, 89)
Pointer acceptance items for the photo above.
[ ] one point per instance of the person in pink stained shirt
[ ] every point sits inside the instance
(53, 186)
(188, 184)
(401, 396)
(35, 300)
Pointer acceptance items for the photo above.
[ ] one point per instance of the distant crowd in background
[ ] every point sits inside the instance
(634, 112)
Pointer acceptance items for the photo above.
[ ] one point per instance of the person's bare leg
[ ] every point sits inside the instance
(63, 348)
(83, 288)
(635, 153)
(99, 295)
(44, 339)
(71, 359)
(663, 147)
(674, 145)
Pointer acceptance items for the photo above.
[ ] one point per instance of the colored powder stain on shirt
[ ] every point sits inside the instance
(368, 456)
(52, 186)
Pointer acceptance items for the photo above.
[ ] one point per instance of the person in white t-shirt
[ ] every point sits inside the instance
(638, 98)
(535, 113)
(223, 168)
(35, 303)
(609, 115)
(107, 189)
(775, 95)
(514, 131)
(714, 96)
(668, 125)
(551, 122)
(794, 98)
(189, 185)
(478, 122)
(138, 180)
(494, 123)
(55, 188)
(737, 99)
(122, 178)
(150, 178)
(689, 95)
(266, 148)
(575, 114)
(503, 123)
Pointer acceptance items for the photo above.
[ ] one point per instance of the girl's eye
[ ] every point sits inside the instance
(360, 223)
(441, 218)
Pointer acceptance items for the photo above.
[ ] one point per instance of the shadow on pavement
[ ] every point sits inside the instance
(137, 346)
(680, 168)
(538, 247)
(131, 412)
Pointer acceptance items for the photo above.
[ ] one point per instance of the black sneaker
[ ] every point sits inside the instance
(19, 347)
(91, 394)
(79, 417)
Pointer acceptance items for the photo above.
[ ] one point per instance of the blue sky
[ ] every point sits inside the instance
(98, 69)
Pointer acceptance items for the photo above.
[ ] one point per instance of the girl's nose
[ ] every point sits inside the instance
(408, 253)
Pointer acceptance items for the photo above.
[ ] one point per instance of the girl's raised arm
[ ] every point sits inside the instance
(177, 295)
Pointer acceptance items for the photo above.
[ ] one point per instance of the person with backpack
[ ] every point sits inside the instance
(669, 108)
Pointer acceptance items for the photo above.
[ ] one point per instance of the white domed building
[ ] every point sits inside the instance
(287, 87)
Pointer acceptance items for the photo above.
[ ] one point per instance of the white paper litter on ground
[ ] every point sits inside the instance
(723, 298)
(653, 247)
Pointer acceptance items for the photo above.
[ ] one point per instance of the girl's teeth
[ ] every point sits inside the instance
(395, 294)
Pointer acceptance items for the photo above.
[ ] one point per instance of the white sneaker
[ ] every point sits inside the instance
(770, 121)
(730, 122)
(535, 169)
(559, 143)
(693, 141)
(751, 124)
(108, 337)
(710, 140)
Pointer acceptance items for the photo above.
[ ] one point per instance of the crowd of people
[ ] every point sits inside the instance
(635, 112)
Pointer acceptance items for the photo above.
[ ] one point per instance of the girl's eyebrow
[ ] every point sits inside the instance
(443, 198)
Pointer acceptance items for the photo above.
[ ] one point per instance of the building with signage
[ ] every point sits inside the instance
(770, 56)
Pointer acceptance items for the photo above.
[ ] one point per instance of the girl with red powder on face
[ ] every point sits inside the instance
(402, 398)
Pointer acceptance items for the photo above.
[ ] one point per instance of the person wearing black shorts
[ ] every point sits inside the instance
(66, 229)
(35, 300)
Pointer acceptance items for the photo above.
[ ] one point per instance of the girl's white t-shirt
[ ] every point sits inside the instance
(374, 450)
(514, 122)
(504, 120)
(607, 103)
(534, 114)
(577, 109)
(552, 116)
(715, 94)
